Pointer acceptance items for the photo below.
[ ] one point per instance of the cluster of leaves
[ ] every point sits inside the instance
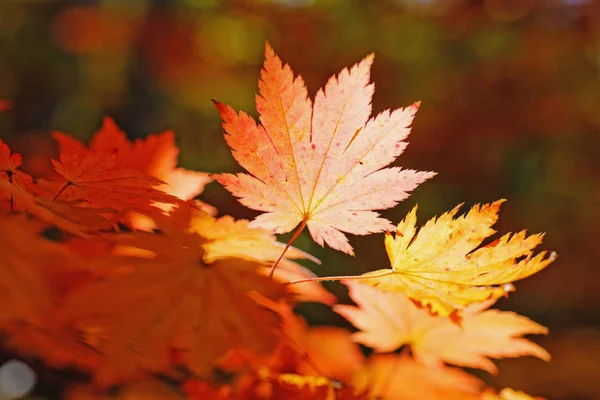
(152, 296)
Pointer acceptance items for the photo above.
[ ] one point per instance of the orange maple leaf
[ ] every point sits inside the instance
(389, 320)
(164, 296)
(95, 179)
(319, 164)
(156, 155)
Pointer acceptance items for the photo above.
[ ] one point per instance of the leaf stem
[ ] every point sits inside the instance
(287, 246)
(61, 190)
(343, 277)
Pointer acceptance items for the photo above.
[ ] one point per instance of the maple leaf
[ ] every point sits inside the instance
(440, 266)
(319, 165)
(388, 320)
(95, 179)
(230, 238)
(167, 297)
(156, 155)
(9, 164)
(399, 377)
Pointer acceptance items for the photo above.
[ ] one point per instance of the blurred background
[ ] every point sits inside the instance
(510, 93)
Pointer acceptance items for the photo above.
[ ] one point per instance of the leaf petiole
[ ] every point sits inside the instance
(66, 185)
(343, 277)
(287, 246)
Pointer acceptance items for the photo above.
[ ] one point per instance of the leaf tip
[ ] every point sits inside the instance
(414, 210)
(269, 52)
(109, 123)
(220, 106)
(498, 203)
(367, 62)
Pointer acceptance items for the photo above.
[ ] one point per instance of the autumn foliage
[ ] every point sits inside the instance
(109, 267)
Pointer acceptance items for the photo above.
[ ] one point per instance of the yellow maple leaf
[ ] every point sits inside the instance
(442, 268)
(389, 320)
(227, 237)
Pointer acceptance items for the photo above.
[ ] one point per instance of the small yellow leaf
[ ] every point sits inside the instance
(227, 238)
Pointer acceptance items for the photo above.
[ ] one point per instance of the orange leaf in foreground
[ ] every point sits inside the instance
(319, 164)
(389, 320)
(165, 297)
(442, 268)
